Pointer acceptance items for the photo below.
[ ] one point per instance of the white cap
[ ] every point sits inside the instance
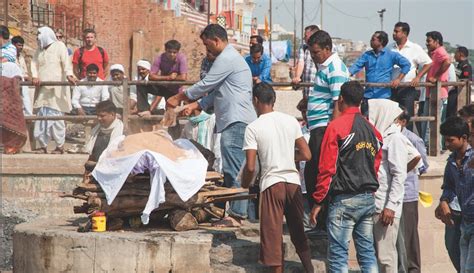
(144, 64)
(118, 67)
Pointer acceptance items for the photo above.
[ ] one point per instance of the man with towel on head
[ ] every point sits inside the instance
(51, 63)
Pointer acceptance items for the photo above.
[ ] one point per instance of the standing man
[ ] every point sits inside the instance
(322, 106)
(352, 154)
(378, 64)
(8, 50)
(231, 80)
(260, 64)
(51, 63)
(273, 137)
(417, 57)
(19, 43)
(305, 67)
(88, 54)
(463, 72)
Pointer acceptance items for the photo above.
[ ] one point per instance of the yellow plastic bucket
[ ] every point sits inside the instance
(99, 222)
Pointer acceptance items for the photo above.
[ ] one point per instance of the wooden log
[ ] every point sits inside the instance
(213, 175)
(227, 191)
(181, 220)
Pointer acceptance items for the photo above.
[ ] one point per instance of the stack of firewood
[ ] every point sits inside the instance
(132, 198)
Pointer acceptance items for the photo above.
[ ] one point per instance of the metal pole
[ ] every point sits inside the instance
(126, 106)
(83, 14)
(399, 10)
(321, 3)
(294, 33)
(270, 36)
(208, 12)
(6, 13)
(302, 21)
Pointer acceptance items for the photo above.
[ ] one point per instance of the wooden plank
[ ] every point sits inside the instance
(213, 175)
(462, 96)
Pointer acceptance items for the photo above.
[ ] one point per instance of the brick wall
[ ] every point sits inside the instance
(116, 20)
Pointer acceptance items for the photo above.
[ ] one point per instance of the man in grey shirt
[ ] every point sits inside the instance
(227, 88)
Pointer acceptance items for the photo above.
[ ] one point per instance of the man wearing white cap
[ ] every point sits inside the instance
(117, 73)
(143, 104)
(51, 63)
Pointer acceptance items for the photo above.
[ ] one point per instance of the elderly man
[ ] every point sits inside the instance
(231, 97)
(51, 63)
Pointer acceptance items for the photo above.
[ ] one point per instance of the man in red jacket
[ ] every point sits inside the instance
(348, 166)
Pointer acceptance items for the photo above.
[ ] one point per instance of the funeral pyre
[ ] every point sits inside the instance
(148, 176)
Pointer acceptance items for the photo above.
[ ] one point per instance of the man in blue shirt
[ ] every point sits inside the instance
(260, 64)
(8, 50)
(228, 88)
(378, 64)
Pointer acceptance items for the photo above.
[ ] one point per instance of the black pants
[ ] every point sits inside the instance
(452, 107)
(157, 90)
(406, 96)
(311, 171)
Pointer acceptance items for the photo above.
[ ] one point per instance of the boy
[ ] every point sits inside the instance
(458, 183)
(108, 129)
(84, 97)
(273, 136)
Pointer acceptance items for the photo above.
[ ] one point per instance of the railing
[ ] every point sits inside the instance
(464, 98)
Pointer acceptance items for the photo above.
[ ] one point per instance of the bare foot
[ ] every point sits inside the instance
(228, 222)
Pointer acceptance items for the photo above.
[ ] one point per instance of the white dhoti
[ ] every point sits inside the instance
(46, 129)
(27, 105)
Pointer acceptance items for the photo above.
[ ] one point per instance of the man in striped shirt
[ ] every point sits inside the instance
(332, 73)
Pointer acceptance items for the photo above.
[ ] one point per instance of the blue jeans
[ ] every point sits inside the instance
(351, 214)
(467, 247)
(232, 141)
(452, 237)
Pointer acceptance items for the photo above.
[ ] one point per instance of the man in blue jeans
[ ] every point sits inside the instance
(228, 89)
(350, 159)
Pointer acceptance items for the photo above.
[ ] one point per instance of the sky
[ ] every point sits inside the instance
(358, 19)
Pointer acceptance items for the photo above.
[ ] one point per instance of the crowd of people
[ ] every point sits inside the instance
(363, 157)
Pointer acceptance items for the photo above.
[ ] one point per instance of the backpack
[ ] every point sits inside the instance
(81, 53)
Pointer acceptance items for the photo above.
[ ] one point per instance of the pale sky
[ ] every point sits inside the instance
(358, 19)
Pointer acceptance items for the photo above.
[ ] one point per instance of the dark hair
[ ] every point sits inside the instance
(4, 32)
(435, 35)
(382, 36)
(321, 38)
(18, 40)
(105, 106)
(264, 93)
(173, 44)
(352, 92)
(92, 67)
(404, 115)
(214, 31)
(463, 50)
(467, 111)
(257, 48)
(312, 28)
(258, 37)
(89, 30)
(405, 27)
(454, 126)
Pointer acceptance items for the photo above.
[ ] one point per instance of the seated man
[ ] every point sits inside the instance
(117, 73)
(260, 64)
(85, 97)
(108, 129)
(169, 66)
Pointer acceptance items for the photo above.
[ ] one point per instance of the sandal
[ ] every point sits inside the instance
(58, 150)
(42, 150)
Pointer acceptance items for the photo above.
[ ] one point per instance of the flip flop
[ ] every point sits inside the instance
(58, 150)
(41, 151)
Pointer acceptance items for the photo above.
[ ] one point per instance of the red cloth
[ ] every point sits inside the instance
(12, 120)
(91, 57)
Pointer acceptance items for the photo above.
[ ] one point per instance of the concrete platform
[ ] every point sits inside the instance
(54, 245)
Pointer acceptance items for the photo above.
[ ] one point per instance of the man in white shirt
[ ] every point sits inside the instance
(273, 137)
(417, 57)
(86, 97)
